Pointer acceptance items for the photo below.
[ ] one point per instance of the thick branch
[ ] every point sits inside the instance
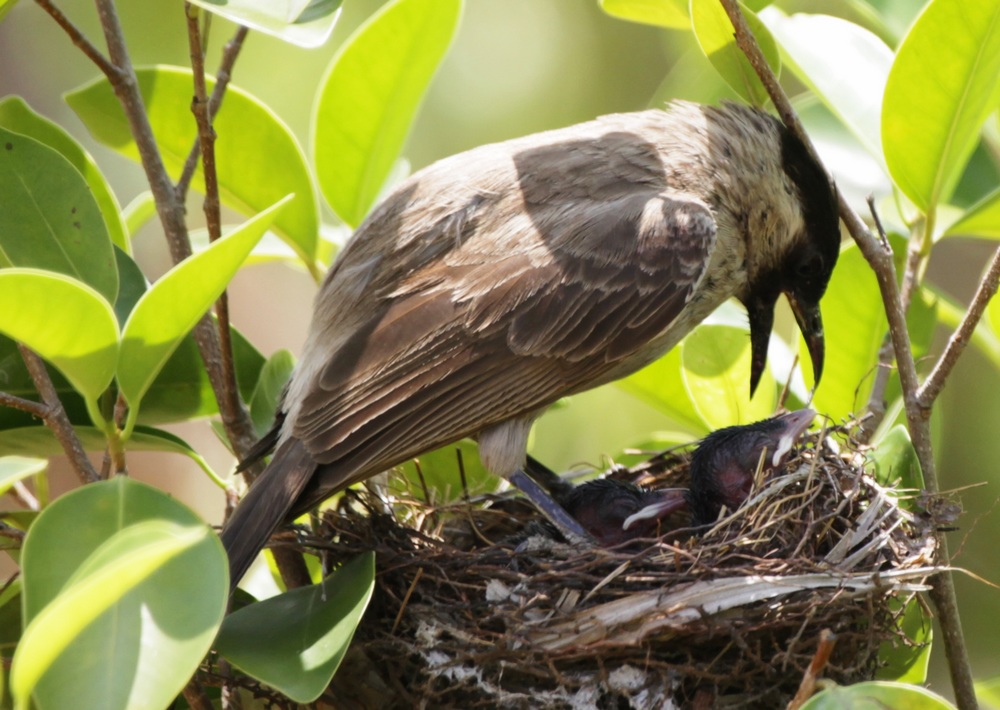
(879, 256)
(55, 417)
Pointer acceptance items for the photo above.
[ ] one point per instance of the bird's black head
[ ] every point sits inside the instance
(615, 511)
(723, 465)
(804, 270)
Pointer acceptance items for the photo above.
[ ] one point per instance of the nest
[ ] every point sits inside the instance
(476, 605)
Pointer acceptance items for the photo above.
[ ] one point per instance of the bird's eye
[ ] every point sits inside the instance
(809, 268)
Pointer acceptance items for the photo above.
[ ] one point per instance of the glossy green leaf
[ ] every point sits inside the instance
(294, 642)
(139, 211)
(854, 324)
(662, 13)
(981, 220)
(854, 91)
(876, 695)
(714, 32)
(896, 461)
(257, 158)
(17, 116)
(661, 385)
(906, 662)
(18, 468)
(267, 391)
(369, 96)
(305, 23)
(940, 90)
(716, 362)
(66, 322)
(175, 303)
(124, 589)
(988, 692)
(440, 472)
(49, 218)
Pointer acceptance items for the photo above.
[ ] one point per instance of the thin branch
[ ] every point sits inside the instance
(35, 409)
(79, 40)
(229, 402)
(56, 418)
(11, 532)
(917, 416)
(222, 77)
(934, 383)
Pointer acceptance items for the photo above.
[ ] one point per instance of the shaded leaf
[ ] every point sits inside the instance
(295, 641)
(49, 218)
(370, 95)
(907, 662)
(661, 385)
(18, 468)
(18, 117)
(267, 392)
(662, 13)
(981, 220)
(874, 695)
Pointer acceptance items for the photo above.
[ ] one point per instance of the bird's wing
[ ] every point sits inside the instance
(479, 337)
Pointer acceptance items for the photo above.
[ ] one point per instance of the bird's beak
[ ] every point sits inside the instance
(668, 501)
(760, 312)
(793, 425)
(810, 322)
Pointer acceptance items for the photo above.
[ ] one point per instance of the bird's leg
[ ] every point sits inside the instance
(557, 515)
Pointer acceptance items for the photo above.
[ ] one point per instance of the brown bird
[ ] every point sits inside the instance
(492, 283)
(614, 511)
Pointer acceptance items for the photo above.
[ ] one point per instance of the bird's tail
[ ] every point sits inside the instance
(266, 506)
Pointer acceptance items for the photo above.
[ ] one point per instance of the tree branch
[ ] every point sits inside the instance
(934, 383)
(879, 256)
(35, 409)
(79, 40)
(55, 417)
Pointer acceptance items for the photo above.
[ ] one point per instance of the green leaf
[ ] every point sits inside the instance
(66, 322)
(295, 641)
(940, 90)
(124, 589)
(10, 617)
(716, 360)
(661, 385)
(662, 13)
(441, 473)
(139, 211)
(896, 462)
(267, 392)
(874, 695)
(17, 116)
(714, 31)
(370, 95)
(49, 218)
(175, 303)
(854, 91)
(907, 662)
(305, 24)
(981, 220)
(257, 158)
(988, 692)
(18, 468)
(854, 324)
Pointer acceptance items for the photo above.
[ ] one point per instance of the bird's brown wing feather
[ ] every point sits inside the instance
(478, 338)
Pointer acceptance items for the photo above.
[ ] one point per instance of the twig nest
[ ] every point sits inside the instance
(477, 605)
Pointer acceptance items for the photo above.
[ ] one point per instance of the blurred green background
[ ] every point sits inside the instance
(518, 66)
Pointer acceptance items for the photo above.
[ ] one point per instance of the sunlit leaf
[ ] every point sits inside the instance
(306, 23)
(17, 116)
(661, 385)
(258, 160)
(370, 95)
(295, 642)
(941, 88)
(441, 472)
(907, 661)
(49, 218)
(716, 360)
(66, 322)
(981, 220)
(663, 13)
(854, 91)
(175, 303)
(124, 589)
(17, 468)
(714, 31)
(876, 694)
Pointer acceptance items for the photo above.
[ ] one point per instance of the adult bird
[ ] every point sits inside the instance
(492, 283)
